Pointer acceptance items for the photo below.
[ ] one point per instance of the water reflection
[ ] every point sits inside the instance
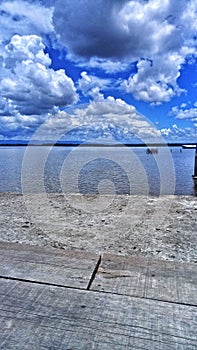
(96, 171)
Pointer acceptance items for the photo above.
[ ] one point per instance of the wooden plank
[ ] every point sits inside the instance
(34, 316)
(59, 267)
(121, 275)
(173, 281)
(149, 278)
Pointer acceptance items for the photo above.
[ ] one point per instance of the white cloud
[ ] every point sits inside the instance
(185, 113)
(155, 81)
(92, 86)
(109, 119)
(156, 37)
(27, 82)
(109, 66)
(30, 90)
(121, 29)
(124, 29)
(19, 126)
(121, 32)
(25, 17)
(182, 134)
(179, 134)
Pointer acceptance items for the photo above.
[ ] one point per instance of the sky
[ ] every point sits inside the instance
(84, 69)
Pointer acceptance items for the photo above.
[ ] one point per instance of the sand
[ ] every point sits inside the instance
(163, 227)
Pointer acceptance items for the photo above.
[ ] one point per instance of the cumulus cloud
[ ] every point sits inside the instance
(157, 35)
(177, 134)
(155, 81)
(119, 29)
(25, 17)
(154, 37)
(92, 86)
(107, 119)
(30, 89)
(28, 86)
(124, 29)
(183, 112)
(17, 126)
(109, 66)
(27, 80)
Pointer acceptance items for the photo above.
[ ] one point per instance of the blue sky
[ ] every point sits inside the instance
(131, 64)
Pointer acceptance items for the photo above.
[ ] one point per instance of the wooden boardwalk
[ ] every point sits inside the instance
(54, 299)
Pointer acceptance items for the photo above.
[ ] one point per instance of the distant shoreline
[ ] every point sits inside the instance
(25, 144)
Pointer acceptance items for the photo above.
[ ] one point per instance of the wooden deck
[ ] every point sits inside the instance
(54, 299)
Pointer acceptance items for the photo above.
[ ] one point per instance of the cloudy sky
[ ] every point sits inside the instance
(125, 67)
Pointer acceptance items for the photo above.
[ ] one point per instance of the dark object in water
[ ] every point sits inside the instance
(195, 166)
(152, 151)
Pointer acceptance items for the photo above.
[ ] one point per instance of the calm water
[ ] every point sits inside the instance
(99, 169)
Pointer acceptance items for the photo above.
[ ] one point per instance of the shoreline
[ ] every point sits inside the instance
(161, 227)
(115, 144)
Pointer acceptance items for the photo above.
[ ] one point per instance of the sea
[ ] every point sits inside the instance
(93, 170)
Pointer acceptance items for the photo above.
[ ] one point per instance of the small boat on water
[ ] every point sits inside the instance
(152, 151)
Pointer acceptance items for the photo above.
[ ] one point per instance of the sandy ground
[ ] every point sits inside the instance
(164, 227)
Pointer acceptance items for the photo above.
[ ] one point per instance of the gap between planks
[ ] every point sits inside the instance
(94, 273)
(58, 285)
(91, 281)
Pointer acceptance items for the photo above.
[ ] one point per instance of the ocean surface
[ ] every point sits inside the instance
(121, 170)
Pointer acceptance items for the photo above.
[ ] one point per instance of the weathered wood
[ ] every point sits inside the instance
(34, 316)
(172, 281)
(59, 267)
(148, 278)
